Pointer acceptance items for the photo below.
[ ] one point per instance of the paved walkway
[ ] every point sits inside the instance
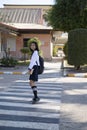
(69, 71)
(74, 104)
(14, 70)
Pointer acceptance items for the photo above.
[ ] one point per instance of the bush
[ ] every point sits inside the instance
(77, 47)
(55, 50)
(25, 51)
(65, 50)
(8, 62)
(34, 39)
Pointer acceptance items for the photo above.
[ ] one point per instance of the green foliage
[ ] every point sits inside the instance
(67, 15)
(84, 20)
(8, 62)
(77, 47)
(55, 49)
(65, 50)
(25, 51)
(35, 39)
(22, 63)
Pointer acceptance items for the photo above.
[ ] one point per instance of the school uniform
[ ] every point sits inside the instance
(34, 63)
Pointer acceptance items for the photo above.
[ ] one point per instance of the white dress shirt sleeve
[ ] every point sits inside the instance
(34, 59)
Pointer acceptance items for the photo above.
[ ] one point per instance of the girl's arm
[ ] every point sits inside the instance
(33, 60)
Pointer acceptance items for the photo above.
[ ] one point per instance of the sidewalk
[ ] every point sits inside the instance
(73, 104)
(67, 70)
(70, 71)
(19, 70)
(14, 70)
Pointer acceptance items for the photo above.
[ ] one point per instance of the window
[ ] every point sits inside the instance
(25, 42)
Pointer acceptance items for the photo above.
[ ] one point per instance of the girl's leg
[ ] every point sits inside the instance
(34, 88)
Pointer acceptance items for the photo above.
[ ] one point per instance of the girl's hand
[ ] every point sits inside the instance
(31, 71)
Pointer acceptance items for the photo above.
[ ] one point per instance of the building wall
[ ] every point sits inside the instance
(45, 44)
(1, 54)
(15, 43)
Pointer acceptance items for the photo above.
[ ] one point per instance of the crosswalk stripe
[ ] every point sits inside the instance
(16, 110)
(40, 87)
(24, 100)
(31, 125)
(44, 106)
(40, 91)
(29, 94)
(55, 84)
(28, 113)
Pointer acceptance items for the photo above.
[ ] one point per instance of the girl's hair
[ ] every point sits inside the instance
(36, 44)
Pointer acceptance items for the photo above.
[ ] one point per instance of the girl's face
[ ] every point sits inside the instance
(33, 46)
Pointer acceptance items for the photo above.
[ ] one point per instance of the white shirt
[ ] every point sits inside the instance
(34, 60)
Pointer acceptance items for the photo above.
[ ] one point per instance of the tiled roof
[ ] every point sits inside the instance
(21, 15)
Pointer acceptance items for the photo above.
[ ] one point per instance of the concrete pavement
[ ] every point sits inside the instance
(73, 112)
(18, 70)
(66, 70)
(69, 71)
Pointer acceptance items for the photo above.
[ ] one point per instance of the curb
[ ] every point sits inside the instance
(76, 75)
(65, 74)
(14, 73)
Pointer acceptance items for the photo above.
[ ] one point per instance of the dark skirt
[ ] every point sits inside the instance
(34, 75)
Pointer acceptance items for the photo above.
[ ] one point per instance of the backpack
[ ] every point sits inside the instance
(41, 67)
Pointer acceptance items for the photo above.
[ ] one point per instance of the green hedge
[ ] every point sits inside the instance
(65, 50)
(8, 62)
(77, 47)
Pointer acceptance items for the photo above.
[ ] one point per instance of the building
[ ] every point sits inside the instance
(18, 24)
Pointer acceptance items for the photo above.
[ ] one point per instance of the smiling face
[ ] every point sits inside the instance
(33, 46)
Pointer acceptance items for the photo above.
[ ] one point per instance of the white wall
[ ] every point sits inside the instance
(11, 43)
(0, 41)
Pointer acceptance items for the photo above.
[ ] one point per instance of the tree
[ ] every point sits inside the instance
(65, 50)
(67, 15)
(77, 47)
(25, 51)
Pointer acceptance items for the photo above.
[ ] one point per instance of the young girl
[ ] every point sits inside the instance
(33, 69)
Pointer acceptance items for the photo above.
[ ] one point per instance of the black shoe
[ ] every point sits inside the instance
(35, 100)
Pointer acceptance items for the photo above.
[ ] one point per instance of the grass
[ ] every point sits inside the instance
(23, 63)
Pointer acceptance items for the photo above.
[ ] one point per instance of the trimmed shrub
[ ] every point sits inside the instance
(77, 47)
(65, 50)
(25, 51)
(55, 51)
(8, 62)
